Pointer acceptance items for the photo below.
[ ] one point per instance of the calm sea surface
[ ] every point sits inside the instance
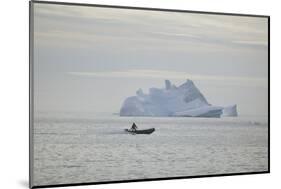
(95, 148)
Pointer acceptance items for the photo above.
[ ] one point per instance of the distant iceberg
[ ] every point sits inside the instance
(183, 101)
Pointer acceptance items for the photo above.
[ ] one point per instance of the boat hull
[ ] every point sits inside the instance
(145, 131)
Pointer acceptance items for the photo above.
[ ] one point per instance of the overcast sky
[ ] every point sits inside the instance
(90, 59)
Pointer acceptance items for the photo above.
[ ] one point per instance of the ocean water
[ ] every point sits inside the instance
(87, 148)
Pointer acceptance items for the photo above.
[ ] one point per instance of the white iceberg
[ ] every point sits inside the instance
(204, 111)
(185, 101)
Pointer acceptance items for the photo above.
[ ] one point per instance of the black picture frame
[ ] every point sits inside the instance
(31, 91)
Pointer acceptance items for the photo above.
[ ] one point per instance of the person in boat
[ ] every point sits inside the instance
(134, 127)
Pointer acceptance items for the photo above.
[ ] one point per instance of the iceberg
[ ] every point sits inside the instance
(205, 111)
(183, 101)
(230, 111)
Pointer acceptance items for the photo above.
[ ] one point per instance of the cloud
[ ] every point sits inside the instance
(86, 23)
(166, 74)
(257, 43)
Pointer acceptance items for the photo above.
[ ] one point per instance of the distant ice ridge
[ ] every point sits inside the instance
(183, 101)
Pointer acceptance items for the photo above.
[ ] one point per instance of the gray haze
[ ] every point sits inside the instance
(89, 59)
